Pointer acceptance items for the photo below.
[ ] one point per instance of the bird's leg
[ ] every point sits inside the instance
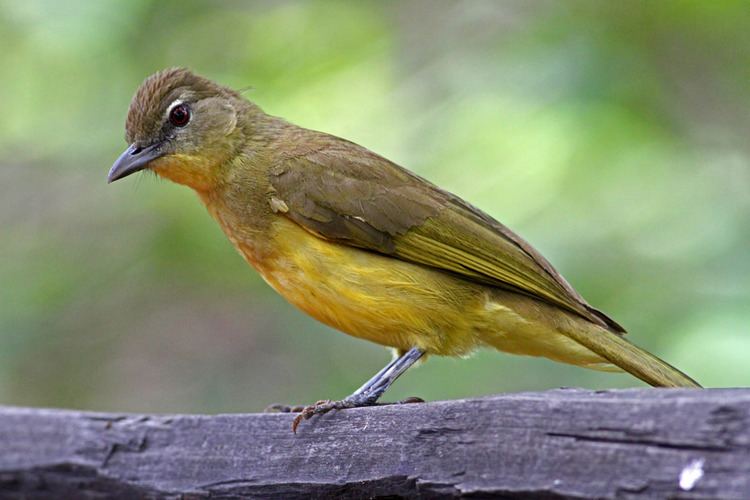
(370, 392)
(378, 378)
(367, 385)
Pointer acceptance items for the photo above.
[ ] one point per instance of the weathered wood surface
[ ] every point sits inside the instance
(557, 444)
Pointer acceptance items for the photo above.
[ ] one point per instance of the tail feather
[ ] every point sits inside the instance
(632, 359)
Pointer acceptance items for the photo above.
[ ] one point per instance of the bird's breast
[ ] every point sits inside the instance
(364, 294)
(397, 303)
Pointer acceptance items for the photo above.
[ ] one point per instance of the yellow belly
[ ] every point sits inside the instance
(403, 305)
(370, 296)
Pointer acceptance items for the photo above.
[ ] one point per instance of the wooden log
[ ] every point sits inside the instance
(567, 443)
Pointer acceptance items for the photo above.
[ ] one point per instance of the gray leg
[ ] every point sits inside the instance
(369, 393)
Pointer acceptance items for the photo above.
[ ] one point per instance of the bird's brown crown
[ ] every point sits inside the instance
(157, 92)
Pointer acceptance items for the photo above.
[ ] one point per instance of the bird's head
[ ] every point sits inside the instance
(182, 127)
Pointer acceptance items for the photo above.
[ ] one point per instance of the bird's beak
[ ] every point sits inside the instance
(133, 159)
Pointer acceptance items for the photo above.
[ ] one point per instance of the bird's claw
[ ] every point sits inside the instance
(410, 400)
(319, 408)
(279, 408)
(325, 405)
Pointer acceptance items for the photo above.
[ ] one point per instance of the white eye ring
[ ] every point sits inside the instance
(175, 103)
(179, 114)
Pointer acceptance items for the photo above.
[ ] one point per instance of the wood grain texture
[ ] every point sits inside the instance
(559, 444)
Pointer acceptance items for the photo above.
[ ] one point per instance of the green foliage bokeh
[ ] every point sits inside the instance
(613, 136)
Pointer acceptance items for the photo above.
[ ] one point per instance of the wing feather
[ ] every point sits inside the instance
(348, 194)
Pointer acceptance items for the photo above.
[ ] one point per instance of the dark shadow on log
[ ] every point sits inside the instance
(644, 443)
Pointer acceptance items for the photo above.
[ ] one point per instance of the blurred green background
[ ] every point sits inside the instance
(611, 135)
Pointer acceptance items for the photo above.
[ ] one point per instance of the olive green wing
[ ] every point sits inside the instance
(348, 194)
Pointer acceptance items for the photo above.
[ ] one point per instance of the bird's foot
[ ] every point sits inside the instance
(408, 401)
(324, 406)
(279, 408)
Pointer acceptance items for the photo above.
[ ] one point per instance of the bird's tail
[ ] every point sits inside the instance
(634, 360)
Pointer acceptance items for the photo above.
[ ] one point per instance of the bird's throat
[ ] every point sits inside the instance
(191, 171)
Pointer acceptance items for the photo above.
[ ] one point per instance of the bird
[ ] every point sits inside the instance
(363, 245)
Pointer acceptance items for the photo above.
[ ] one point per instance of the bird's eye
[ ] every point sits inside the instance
(179, 116)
